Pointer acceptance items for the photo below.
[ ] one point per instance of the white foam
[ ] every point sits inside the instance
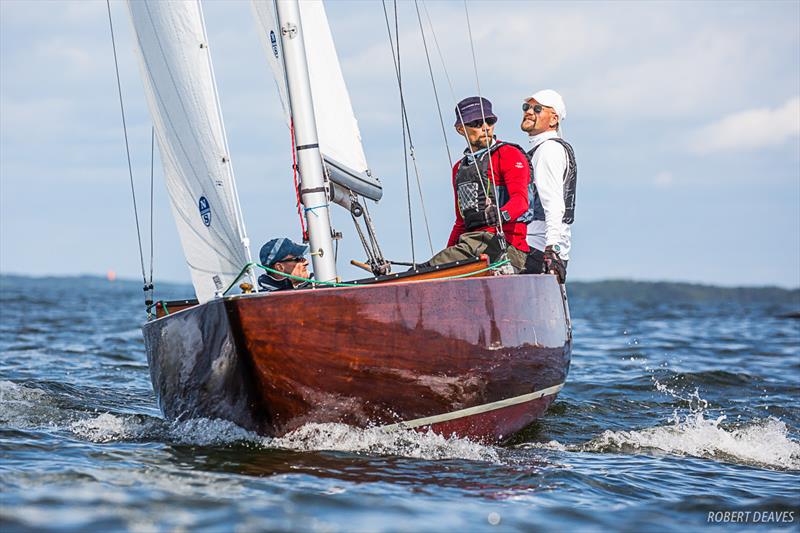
(376, 441)
(12, 393)
(107, 427)
(24, 407)
(212, 432)
(759, 442)
(762, 442)
(551, 445)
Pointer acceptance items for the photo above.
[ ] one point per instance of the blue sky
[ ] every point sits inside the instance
(685, 118)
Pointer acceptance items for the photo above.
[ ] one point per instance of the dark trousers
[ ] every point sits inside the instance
(475, 243)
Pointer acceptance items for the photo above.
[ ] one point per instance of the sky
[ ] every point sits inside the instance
(684, 117)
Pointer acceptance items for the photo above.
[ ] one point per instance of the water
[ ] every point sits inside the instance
(672, 411)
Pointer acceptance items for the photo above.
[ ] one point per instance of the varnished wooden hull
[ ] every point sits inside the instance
(474, 357)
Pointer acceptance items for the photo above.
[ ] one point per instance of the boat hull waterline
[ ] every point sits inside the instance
(476, 357)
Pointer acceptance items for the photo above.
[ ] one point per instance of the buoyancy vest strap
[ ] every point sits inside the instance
(570, 184)
(471, 193)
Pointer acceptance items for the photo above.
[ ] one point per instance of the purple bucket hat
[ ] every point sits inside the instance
(469, 109)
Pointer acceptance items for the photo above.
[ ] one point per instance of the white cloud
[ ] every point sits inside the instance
(750, 129)
(633, 74)
(645, 60)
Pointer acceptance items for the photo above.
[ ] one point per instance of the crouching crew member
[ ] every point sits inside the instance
(284, 257)
(491, 173)
(554, 179)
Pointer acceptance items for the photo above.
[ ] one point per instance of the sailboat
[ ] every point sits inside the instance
(459, 349)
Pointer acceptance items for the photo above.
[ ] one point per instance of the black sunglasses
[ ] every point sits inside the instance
(537, 108)
(478, 123)
(293, 260)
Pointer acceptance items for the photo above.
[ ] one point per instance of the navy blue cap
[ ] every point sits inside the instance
(469, 109)
(279, 249)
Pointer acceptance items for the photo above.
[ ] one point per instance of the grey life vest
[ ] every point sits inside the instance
(570, 183)
(473, 186)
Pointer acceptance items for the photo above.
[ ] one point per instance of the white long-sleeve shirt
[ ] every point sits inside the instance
(549, 163)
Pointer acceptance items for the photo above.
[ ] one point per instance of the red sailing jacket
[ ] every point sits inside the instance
(510, 168)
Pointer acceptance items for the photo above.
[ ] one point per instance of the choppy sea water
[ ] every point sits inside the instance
(673, 413)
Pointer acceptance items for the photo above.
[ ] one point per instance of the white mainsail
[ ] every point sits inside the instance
(182, 97)
(337, 128)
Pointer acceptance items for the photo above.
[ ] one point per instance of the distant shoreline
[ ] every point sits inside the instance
(655, 291)
(633, 290)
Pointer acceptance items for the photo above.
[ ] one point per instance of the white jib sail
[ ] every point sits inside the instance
(182, 98)
(337, 128)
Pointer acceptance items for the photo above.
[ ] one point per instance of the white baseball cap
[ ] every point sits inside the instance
(550, 98)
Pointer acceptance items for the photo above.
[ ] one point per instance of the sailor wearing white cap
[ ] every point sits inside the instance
(554, 179)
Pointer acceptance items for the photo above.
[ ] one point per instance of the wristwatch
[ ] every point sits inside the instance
(556, 248)
(505, 216)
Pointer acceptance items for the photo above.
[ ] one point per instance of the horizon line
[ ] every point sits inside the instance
(580, 280)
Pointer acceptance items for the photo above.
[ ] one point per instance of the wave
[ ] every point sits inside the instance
(761, 442)
(376, 441)
(764, 442)
(108, 427)
(25, 407)
(22, 406)
(310, 437)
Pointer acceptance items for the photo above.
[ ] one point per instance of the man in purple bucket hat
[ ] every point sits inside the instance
(491, 183)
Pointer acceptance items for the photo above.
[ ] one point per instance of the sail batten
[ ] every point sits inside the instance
(337, 127)
(182, 97)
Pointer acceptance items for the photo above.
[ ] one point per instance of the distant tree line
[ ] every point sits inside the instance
(656, 291)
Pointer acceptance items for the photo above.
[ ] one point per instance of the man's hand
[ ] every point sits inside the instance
(553, 264)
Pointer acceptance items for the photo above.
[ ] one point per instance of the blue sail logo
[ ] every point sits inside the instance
(274, 42)
(205, 211)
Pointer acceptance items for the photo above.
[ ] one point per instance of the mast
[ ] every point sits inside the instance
(313, 192)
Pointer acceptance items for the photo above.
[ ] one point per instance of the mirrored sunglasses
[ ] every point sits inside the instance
(478, 123)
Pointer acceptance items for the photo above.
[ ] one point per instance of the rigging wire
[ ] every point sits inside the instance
(412, 153)
(433, 84)
(371, 259)
(499, 224)
(472, 49)
(473, 159)
(409, 151)
(371, 230)
(395, 59)
(147, 287)
(440, 55)
(152, 164)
